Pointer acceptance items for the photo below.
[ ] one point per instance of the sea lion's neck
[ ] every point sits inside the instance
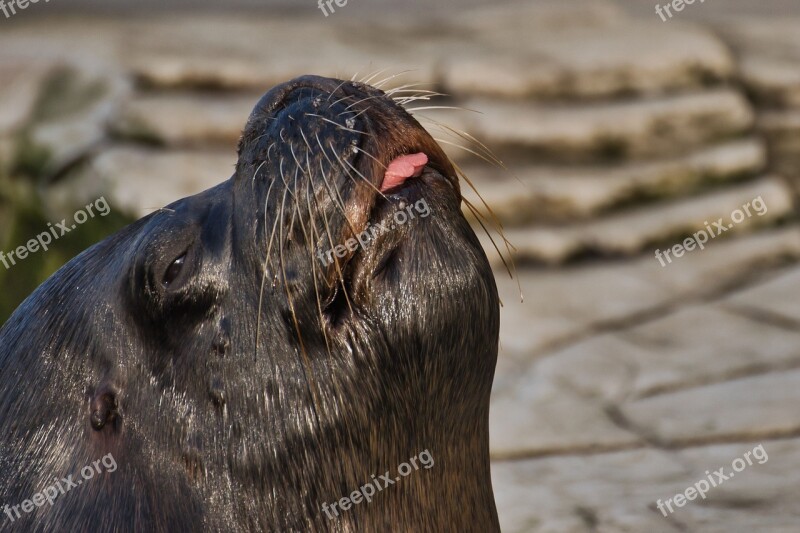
(443, 485)
(407, 431)
(424, 436)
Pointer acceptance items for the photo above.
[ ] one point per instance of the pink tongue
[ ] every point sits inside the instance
(403, 168)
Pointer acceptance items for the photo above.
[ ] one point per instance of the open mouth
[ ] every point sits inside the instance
(402, 169)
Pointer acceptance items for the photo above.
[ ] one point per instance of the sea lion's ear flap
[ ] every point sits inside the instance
(104, 406)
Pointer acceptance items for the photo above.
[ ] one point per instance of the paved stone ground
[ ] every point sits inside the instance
(620, 381)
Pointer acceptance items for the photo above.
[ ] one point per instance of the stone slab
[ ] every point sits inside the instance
(630, 232)
(140, 181)
(610, 131)
(779, 296)
(750, 408)
(529, 193)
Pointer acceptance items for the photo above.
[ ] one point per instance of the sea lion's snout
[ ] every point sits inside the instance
(329, 161)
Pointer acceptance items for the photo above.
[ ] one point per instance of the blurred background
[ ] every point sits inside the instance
(620, 381)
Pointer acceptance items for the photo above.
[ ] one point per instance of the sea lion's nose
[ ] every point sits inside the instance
(282, 95)
(305, 124)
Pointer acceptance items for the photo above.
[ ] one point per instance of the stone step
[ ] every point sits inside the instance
(75, 103)
(613, 131)
(35, 55)
(449, 51)
(781, 128)
(619, 58)
(184, 120)
(197, 51)
(193, 52)
(772, 81)
(630, 232)
(20, 83)
(769, 56)
(548, 49)
(21, 80)
(539, 417)
(782, 131)
(540, 15)
(576, 50)
(538, 194)
(139, 181)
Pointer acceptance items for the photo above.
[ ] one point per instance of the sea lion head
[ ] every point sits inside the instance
(264, 348)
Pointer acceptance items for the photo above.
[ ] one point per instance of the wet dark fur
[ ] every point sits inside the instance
(259, 384)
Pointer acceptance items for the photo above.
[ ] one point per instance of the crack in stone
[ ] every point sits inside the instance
(652, 443)
(618, 418)
(752, 370)
(764, 316)
(739, 437)
(588, 516)
(670, 519)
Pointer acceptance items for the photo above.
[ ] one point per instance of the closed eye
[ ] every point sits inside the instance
(173, 271)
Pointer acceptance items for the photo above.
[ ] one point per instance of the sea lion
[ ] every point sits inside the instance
(234, 380)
